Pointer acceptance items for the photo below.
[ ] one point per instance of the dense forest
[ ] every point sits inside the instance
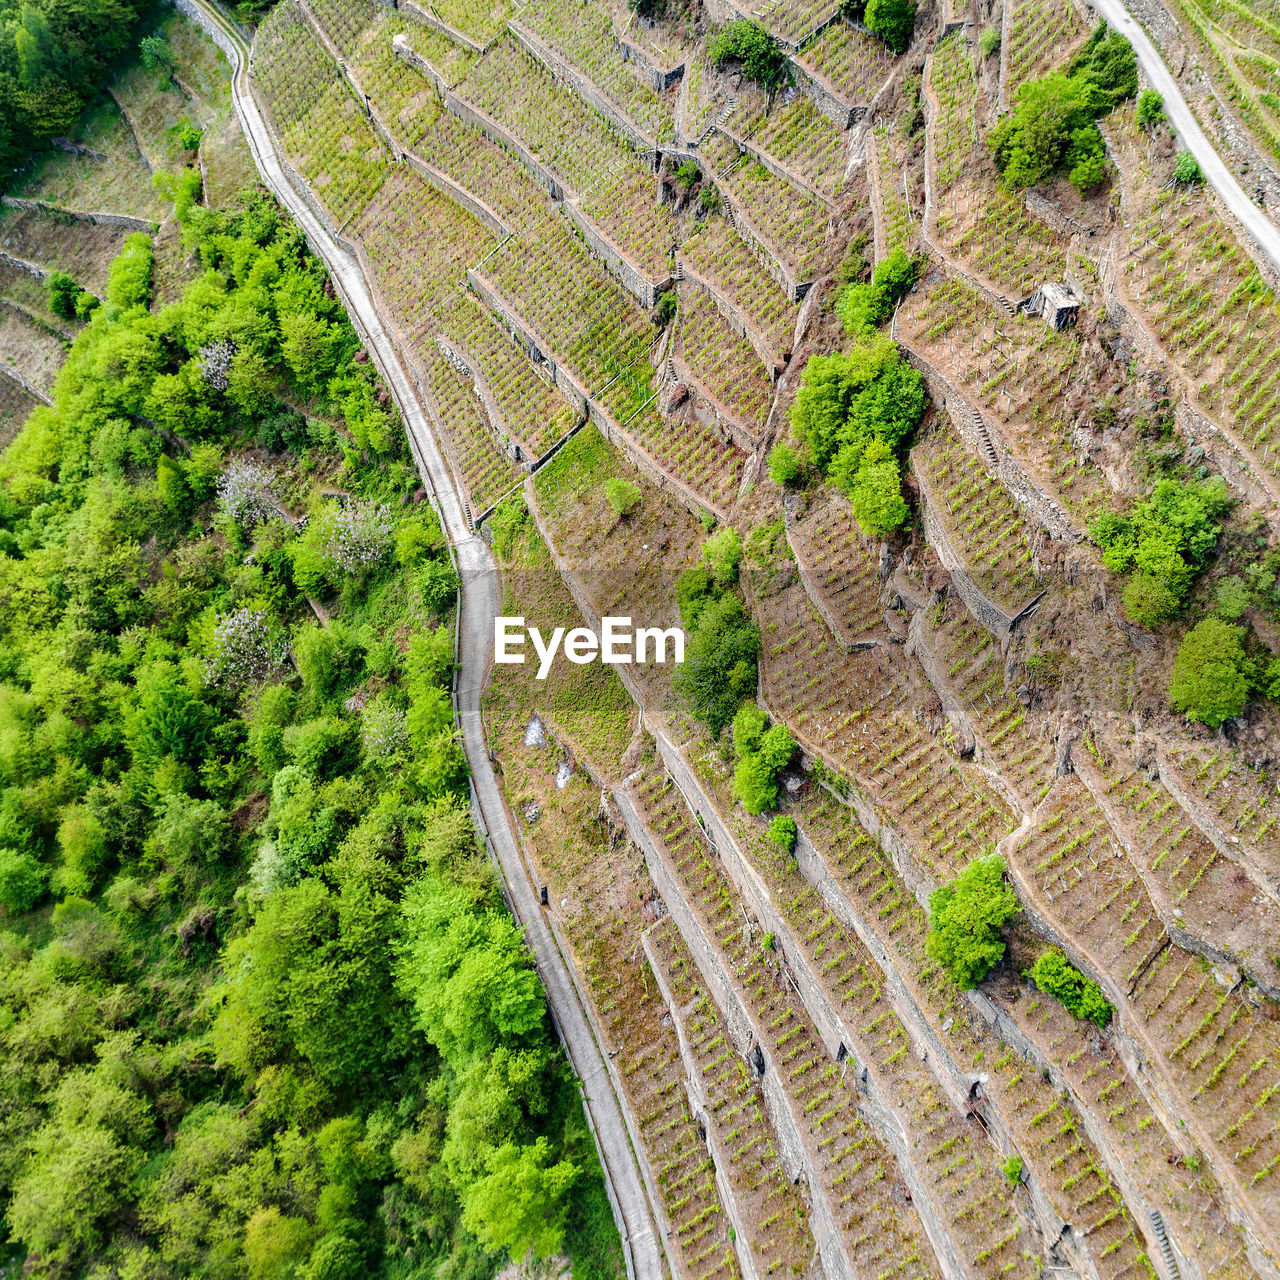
(262, 1011)
(53, 58)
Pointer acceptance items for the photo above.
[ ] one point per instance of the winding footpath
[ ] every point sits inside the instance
(481, 595)
(1220, 178)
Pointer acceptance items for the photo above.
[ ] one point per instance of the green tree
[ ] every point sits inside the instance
(721, 553)
(783, 833)
(129, 276)
(1056, 976)
(155, 53)
(875, 491)
(466, 972)
(63, 292)
(742, 40)
(719, 669)
(523, 1201)
(965, 918)
(22, 880)
(893, 21)
(1210, 674)
(786, 466)
(307, 343)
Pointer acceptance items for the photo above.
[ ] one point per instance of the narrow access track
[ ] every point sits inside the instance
(481, 596)
(1220, 178)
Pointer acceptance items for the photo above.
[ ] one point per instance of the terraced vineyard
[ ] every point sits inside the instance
(606, 262)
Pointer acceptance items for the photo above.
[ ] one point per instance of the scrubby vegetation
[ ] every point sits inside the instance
(53, 59)
(965, 918)
(853, 414)
(1211, 673)
(265, 1011)
(763, 751)
(719, 670)
(748, 43)
(1056, 976)
(1162, 544)
(1053, 125)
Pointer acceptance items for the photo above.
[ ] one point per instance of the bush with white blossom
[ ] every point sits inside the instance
(246, 650)
(383, 730)
(356, 536)
(215, 363)
(245, 492)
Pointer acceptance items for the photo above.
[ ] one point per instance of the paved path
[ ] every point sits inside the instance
(481, 600)
(1223, 181)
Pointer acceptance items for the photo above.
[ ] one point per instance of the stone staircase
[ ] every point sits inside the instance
(1166, 1250)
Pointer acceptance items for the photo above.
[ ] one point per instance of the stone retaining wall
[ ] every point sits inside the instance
(838, 1040)
(1025, 491)
(421, 16)
(585, 88)
(738, 321)
(777, 168)
(529, 341)
(712, 413)
(700, 1109)
(744, 1034)
(21, 264)
(658, 78)
(633, 279)
(459, 195)
(8, 371)
(124, 220)
(794, 289)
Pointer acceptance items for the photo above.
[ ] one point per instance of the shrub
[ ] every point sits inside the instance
(1150, 109)
(875, 491)
(989, 41)
(326, 657)
(852, 413)
(415, 540)
(188, 135)
(687, 173)
(1232, 598)
(1210, 681)
(747, 42)
(664, 311)
(862, 307)
(623, 496)
(786, 465)
(154, 53)
(783, 832)
(1186, 169)
(721, 553)
(710, 199)
(1149, 600)
(63, 292)
(1166, 538)
(22, 880)
(965, 918)
(748, 728)
(762, 755)
(1056, 976)
(893, 21)
(719, 669)
(1013, 1169)
(129, 276)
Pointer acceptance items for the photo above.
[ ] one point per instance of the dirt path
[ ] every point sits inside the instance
(480, 603)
